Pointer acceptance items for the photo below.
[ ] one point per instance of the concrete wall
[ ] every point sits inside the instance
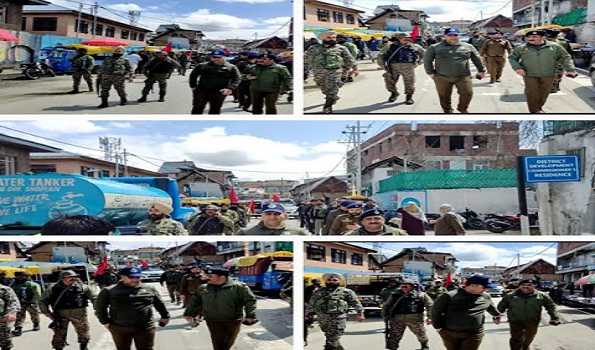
(569, 208)
(329, 264)
(21, 155)
(311, 17)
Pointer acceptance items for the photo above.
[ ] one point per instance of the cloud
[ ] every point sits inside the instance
(277, 20)
(120, 125)
(206, 20)
(252, 1)
(125, 7)
(225, 158)
(68, 126)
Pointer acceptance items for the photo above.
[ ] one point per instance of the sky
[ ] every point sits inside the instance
(218, 19)
(480, 254)
(440, 10)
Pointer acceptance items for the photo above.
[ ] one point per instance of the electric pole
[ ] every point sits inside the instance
(78, 21)
(112, 152)
(95, 9)
(354, 135)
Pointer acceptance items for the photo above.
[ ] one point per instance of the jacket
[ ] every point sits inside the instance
(201, 224)
(63, 297)
(228, 302)
(164, 227)
(319, 57)
(211, 76)
(333, 301)
(27, 291)
(458, 310)
(273, 78)
(524, 308)
(451, 60)
(261, 230)
(407, 307)
(386, 231)
(541, 61)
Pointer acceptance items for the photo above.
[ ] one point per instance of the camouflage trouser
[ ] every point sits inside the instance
(391, 77)
(5, 341)
(397, 330)
(329, 81)
(156, 78)
(22, 314)
(118, 81)
(557, 80)
(333, 328)
(79, 320)
(78, 75)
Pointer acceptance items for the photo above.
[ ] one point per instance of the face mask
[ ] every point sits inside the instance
(330, 42)
(332, 285)
(117, 55)
(156, 217)
(224, 210)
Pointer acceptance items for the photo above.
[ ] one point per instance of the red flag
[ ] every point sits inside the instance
(168, 48)
(102, 267)
(252, 206)
(448, 280)
(276, 198)
(144, 264)
(415, 34)
(233, 197)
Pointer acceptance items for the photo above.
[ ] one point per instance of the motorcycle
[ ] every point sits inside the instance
(502, 223)
(472, 220)
(37, 70)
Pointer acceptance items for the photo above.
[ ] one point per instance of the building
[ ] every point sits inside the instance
(497, 22)
(494, 272)
(230, 250)
(538, 269)
(373, 173)
(63, 21)
(337, 257)
(72, 163)
(230, 44)
(264, 189)
(462, 25)
(272, 44)
(11, 12)
(152, 255)
(187, 174)
(330, 188)
(44, 251)
(192, 252)
(575, 260)
(566, 208)
(321, 14)
(180, 37)
(11, 250)
(15, 153)
(394, 19)
(442, 263)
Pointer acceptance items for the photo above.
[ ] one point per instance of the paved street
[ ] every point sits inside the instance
(273, 332)
(49, 95)
(575, 333)
(368, 95)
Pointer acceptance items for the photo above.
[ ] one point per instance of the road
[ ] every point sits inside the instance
(368, 95)
(575, 333)
(273, 332)
(49, 96)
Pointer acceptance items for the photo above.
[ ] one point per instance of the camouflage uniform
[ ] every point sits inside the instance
(82, 66)
(9, 303)
(114, 71)
(341, 224)
(331, 306)
(354, 51)
(435, 291)
(164, 227)
(388, 59)
(404, 311)
(29, 294)
(158, 71)
(235, 218)
(189, 286)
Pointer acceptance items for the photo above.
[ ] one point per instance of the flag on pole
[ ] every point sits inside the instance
(448, 281)
(233, 196)
(102, 267)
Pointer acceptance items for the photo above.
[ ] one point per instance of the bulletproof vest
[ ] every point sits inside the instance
(24, 292)
(2, 303)
(409, 304)
(73, 298)
(401, 54)
(331, 58)
(172, 278)
(334, 302)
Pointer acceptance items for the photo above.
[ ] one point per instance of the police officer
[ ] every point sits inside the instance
(9, 308)
(372, 222)
(327, 61)
(82, 65)
(477, 40)
(212, 81)
(448, 64)
(318, 214)
(523, 308)
(126, 310)
(272, 223)
(190, 282)
(538, 61)
(209, 222)
(332, 214)
(330, 304)
(29, 294)
(553, 35)
(400, 59)
(494, 50)
(436, 290)
(114, 71)
(459, 314)
(347, 222)
(225, 305)
(268, 80)
(244, 65)
(159, 69)
(171, 278)
(64, 303)
(405, 309)
(160, 222)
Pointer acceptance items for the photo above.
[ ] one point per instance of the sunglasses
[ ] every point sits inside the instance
(272, 213)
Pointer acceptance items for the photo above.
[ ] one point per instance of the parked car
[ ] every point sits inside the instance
(152, 274)
(495, 290)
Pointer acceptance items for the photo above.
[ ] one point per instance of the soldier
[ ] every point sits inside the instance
(233, 216)
(9, 308)
(372, 222)
(494, 51)
(160, 222)
(354, 51)
(318, 214)
(272, 223)
(436, 290)
(209, 222)
(405, 309)
(211, 82)
(244, 65)
(332, 214)
(29, 294)
(5, 281)
(328, 61)
(225, 305)
(347, 222)
(158, 70)
(171, 278)
(538, 62)
(448, 64)
(107, 278)
(477, 40)
(190, 282)
(126, 311)
(459, 314)
(331, 304)
(244, 217)
(114, 71)
(393, 286)
(553, 35)
(400, 59)
(67, 302)
(523, 309)
(268, 80)
(308, 292)
(82, 65)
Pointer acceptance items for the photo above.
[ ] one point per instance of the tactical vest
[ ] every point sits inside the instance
(331, 59)
(24, 293)
(409, 304)
(73, 298)
(2, 304)
(401, 54)
(333, 303)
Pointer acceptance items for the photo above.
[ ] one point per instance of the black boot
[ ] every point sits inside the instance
(103, 103)
(90, 87)
(409, 100)
(123, 101)
(142, 99)
(393, 97)
(161, 97)
(328, 106)
(17, 332)
(73, 91)
(36, 327)
(83, 346)
(425, 346)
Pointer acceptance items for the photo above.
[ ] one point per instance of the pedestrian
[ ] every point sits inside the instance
(318, 214)
(346, 76)
(327, 61)
(9, 308)
(404, 309)
(64, 303)
(160, 222)
(413, 219)
(339, 209)
(400, 59)
(134, 60)
(523, 309)
(459, 314)
(107, 278)
(553, 35)
(392, 287)
(477, 40)
(209, 222)
(370, 203)
(272, 223)
(347, 222)
(158, 70)
(225, 305)
(171, 278)
(126, 311)
(494, 52)
(114, 71)
(82, 66)
(449, 223)
(183, 61)
(309, 290)
(538, 61)
(233, 216)
(29, 294)
(77, 225)
(372, 223)
(436, 290)
(447, 63)
(244, 64)
(331, 304)
(302, 207)
(190, 282)
(211, 82)
(268, 81)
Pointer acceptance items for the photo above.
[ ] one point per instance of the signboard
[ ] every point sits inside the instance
(423, 269)
(552, 169)
(357, 279)
(70, 255)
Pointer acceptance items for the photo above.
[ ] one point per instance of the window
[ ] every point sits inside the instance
(479, 165)
(433, 164)
(110, 32)
(350, 19)
(23, 23)
(82, 28)
(3, 14)
(99, 29)
(104, 173)
(141, 36)
(338, 256)
(380, 148)
(357, 259)
(365, 152)
(134, 36)
(323, 15)
(8, 165)
(45, 24)
(337, 17)
(432, 141)
(480, 142)
(125, 34)
(315, 252)
(456, 142)
(5, 248)
(43, 168)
